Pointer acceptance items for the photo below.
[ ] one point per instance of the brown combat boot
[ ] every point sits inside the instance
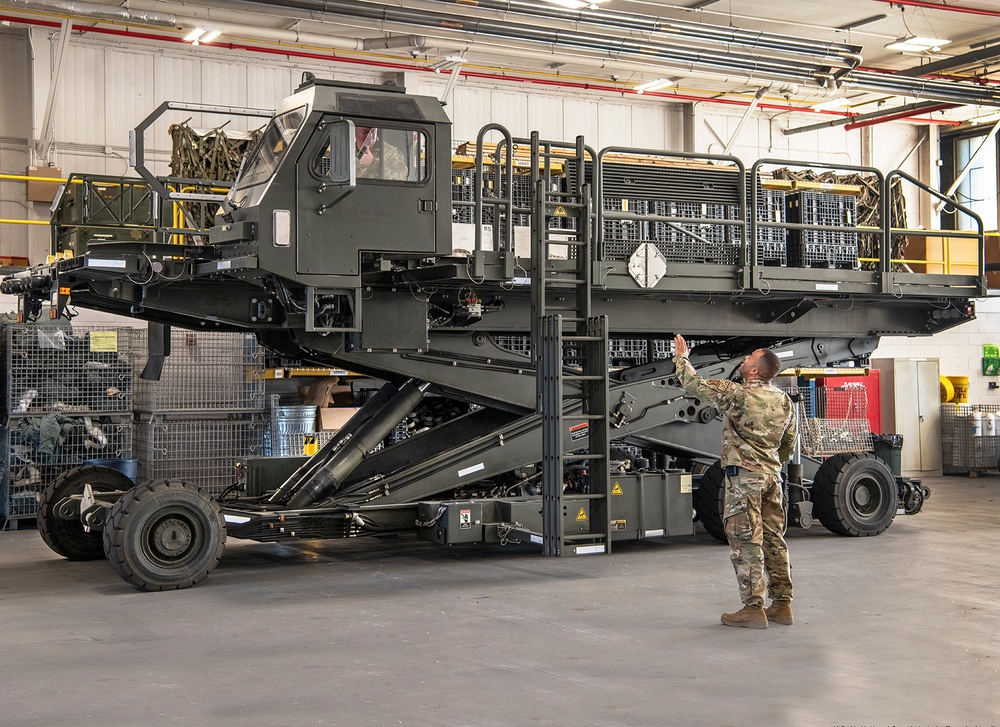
(780, 612)
(748, 617)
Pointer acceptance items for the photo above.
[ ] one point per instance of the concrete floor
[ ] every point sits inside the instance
(902, 629)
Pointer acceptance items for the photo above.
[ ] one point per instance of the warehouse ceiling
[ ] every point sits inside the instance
(920, 59)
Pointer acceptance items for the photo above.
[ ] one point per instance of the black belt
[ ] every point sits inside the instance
(733, 470)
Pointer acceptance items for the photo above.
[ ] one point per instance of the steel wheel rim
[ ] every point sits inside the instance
(173, 538)
(865, 498)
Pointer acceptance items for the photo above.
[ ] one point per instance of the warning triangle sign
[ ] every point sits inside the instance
(582, 515)
(616, 489)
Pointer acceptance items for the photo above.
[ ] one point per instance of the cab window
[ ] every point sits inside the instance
(383, 154)
(274, 142)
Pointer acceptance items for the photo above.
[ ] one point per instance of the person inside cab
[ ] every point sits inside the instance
(377, 159)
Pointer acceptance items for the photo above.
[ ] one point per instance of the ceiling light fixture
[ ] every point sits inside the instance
(653, 85)
(833, 103)
(202, 34)
(576, 4)
(448, 63)
(915, 43)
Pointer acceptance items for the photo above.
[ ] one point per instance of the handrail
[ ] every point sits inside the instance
(727, 158)
(137, 145)
(505, 149)
(950, 233)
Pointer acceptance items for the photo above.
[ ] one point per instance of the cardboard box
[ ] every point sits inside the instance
(42, 191)
(333, 418)
(321, 393)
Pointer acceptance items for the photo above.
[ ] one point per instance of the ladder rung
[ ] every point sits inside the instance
(581, 377)
(576, 537)
(583, 417)
(582, 456)
(583, 339)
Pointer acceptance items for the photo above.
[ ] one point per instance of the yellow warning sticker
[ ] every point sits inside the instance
(582, 515)
(560, 211)
(64, 290)
(104, 341)
(616, 489)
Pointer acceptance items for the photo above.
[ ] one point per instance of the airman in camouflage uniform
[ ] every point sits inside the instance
(758, 435)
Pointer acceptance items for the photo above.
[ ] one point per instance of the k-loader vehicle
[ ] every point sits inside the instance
(512, 286)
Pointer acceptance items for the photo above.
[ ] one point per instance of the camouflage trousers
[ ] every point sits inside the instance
(755, 521)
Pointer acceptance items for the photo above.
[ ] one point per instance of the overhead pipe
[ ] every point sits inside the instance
(980, 55)
(909, 110)
(930, 108)
(94, 10)
(352, 44)
(940, 6)
(839, 53)
(678, 56)
(927, 88)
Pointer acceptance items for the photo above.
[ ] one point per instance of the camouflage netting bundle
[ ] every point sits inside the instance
(868, 208)
(211, 156)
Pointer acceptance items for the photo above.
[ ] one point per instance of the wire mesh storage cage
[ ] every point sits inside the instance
(201, 451)
(67, 394)
(37, 449)
(79, 370)
(966, 441)
(833, 419)
(206, 371)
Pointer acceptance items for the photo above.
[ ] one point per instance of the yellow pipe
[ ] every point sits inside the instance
(26, 178)
(24, 222)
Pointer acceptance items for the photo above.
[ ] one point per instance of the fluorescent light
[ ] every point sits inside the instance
(202, 34)
(916, 43)
(448, 63)
(576, 4)
(653, 85)
(833, 103)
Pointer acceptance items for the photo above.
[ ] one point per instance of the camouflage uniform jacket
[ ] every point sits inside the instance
(759, 426)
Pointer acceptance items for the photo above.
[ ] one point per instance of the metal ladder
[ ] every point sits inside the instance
(570, 352)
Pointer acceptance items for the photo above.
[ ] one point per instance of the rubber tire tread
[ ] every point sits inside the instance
(829, 503)
(120, 542)
(67, 537)
(709, 502)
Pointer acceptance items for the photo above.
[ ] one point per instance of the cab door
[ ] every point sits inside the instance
(389, 206)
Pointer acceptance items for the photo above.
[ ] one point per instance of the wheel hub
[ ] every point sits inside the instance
(862, 496)
(172, 537)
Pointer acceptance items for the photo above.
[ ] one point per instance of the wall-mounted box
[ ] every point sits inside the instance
(42, 191)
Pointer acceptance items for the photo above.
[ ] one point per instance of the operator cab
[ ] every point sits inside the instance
(345, 170)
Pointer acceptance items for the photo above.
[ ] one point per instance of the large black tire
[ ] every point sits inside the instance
(855, 494)
(709, 502)
(67, 537)
(164, 535)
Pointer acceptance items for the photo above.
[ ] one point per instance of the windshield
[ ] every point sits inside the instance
(260, 166)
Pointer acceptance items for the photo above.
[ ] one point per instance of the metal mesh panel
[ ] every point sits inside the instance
(39, 449)
(205, 371)
(833, 419)
(200, 451)
(86, 370)
(961, 447)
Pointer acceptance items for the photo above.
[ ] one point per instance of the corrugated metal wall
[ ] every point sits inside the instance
(15, 128)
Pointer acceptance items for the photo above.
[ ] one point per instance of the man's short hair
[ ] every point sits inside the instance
(768, 364)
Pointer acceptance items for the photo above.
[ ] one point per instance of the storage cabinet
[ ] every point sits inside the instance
(911, 406)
